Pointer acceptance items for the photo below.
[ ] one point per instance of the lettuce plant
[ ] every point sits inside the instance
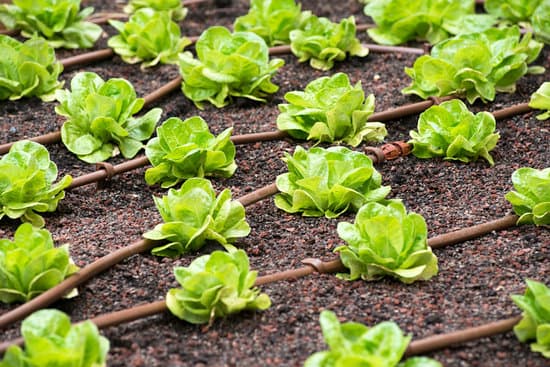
(323, 42)
(215, 285)
(475, 65)
(272, 20)
(354, 344)
(386, 240)
(26, 183)
(51, 340)
(100, 121)
(328, 182)
(194, 214)
(541, 100)
(28, 69)
(173, 7)
(30, 264)
(531, 201)
(535, 324)
(60, 22)
(330, 109)
(451, 131)
(148, 37)
(228, 65)
(185, 149)
(399, 21)
(533, 14)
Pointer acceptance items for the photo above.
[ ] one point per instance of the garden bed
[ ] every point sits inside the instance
(475, 278)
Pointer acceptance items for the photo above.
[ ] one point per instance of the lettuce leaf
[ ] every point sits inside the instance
(451, 131)
(30, 264)
(174, 7)
(531, 201)
(26, 183)
(51, 340)
(228, 65)
(535, 324)
(475, 65)
(399, 21)
(533, 14)
(354, 344)
(185, 149)
(60, 22)
(328, 182)
(272, 20)
(541, 101)
(100, 121)
(386, 240)
(28, 69)
(215, 285)
(148, 37)
(193, 214)
(323, 42)
(330, 109)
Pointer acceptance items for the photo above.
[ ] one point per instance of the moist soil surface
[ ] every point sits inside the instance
(475, 278)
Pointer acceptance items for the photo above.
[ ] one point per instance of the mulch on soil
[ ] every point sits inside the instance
(474, 281)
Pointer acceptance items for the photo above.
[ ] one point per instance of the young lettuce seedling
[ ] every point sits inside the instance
(174, 7)
(194, 214)
(28, 69)
(535, 324)
(148, 37)
(60, 22)
(531, 200)
(30, 264)
(541, 101)
(228, 65)
(354, 344)
(185, 149)
(330, 109)
(328, 182)
(273, 20)
(26, 183)
(475, 65)
(51, 340)
(100, 122)
(386, 240)
(215, 285)
(323, 42)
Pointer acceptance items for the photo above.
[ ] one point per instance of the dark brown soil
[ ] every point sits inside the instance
(475, 278)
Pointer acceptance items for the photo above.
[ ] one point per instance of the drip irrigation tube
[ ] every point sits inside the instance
(312, 265)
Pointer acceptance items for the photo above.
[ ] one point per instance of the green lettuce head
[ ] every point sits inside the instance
(399, 21)
(330, 109)
(386, 240)
(328, 182)
(228, 65)
(30, 264)
(531, 200)
(535, 324)
(354, 344)
(26, 183)
(194, 214)
(185, 149)
(475, 65)
(148, 37)
(215, 285)
(28, 69)
(451, 131)
(541, 101)
(272, 20)
(51, 340)
(60, 22)
(323, 42)
(173, 7)
(100, 122)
